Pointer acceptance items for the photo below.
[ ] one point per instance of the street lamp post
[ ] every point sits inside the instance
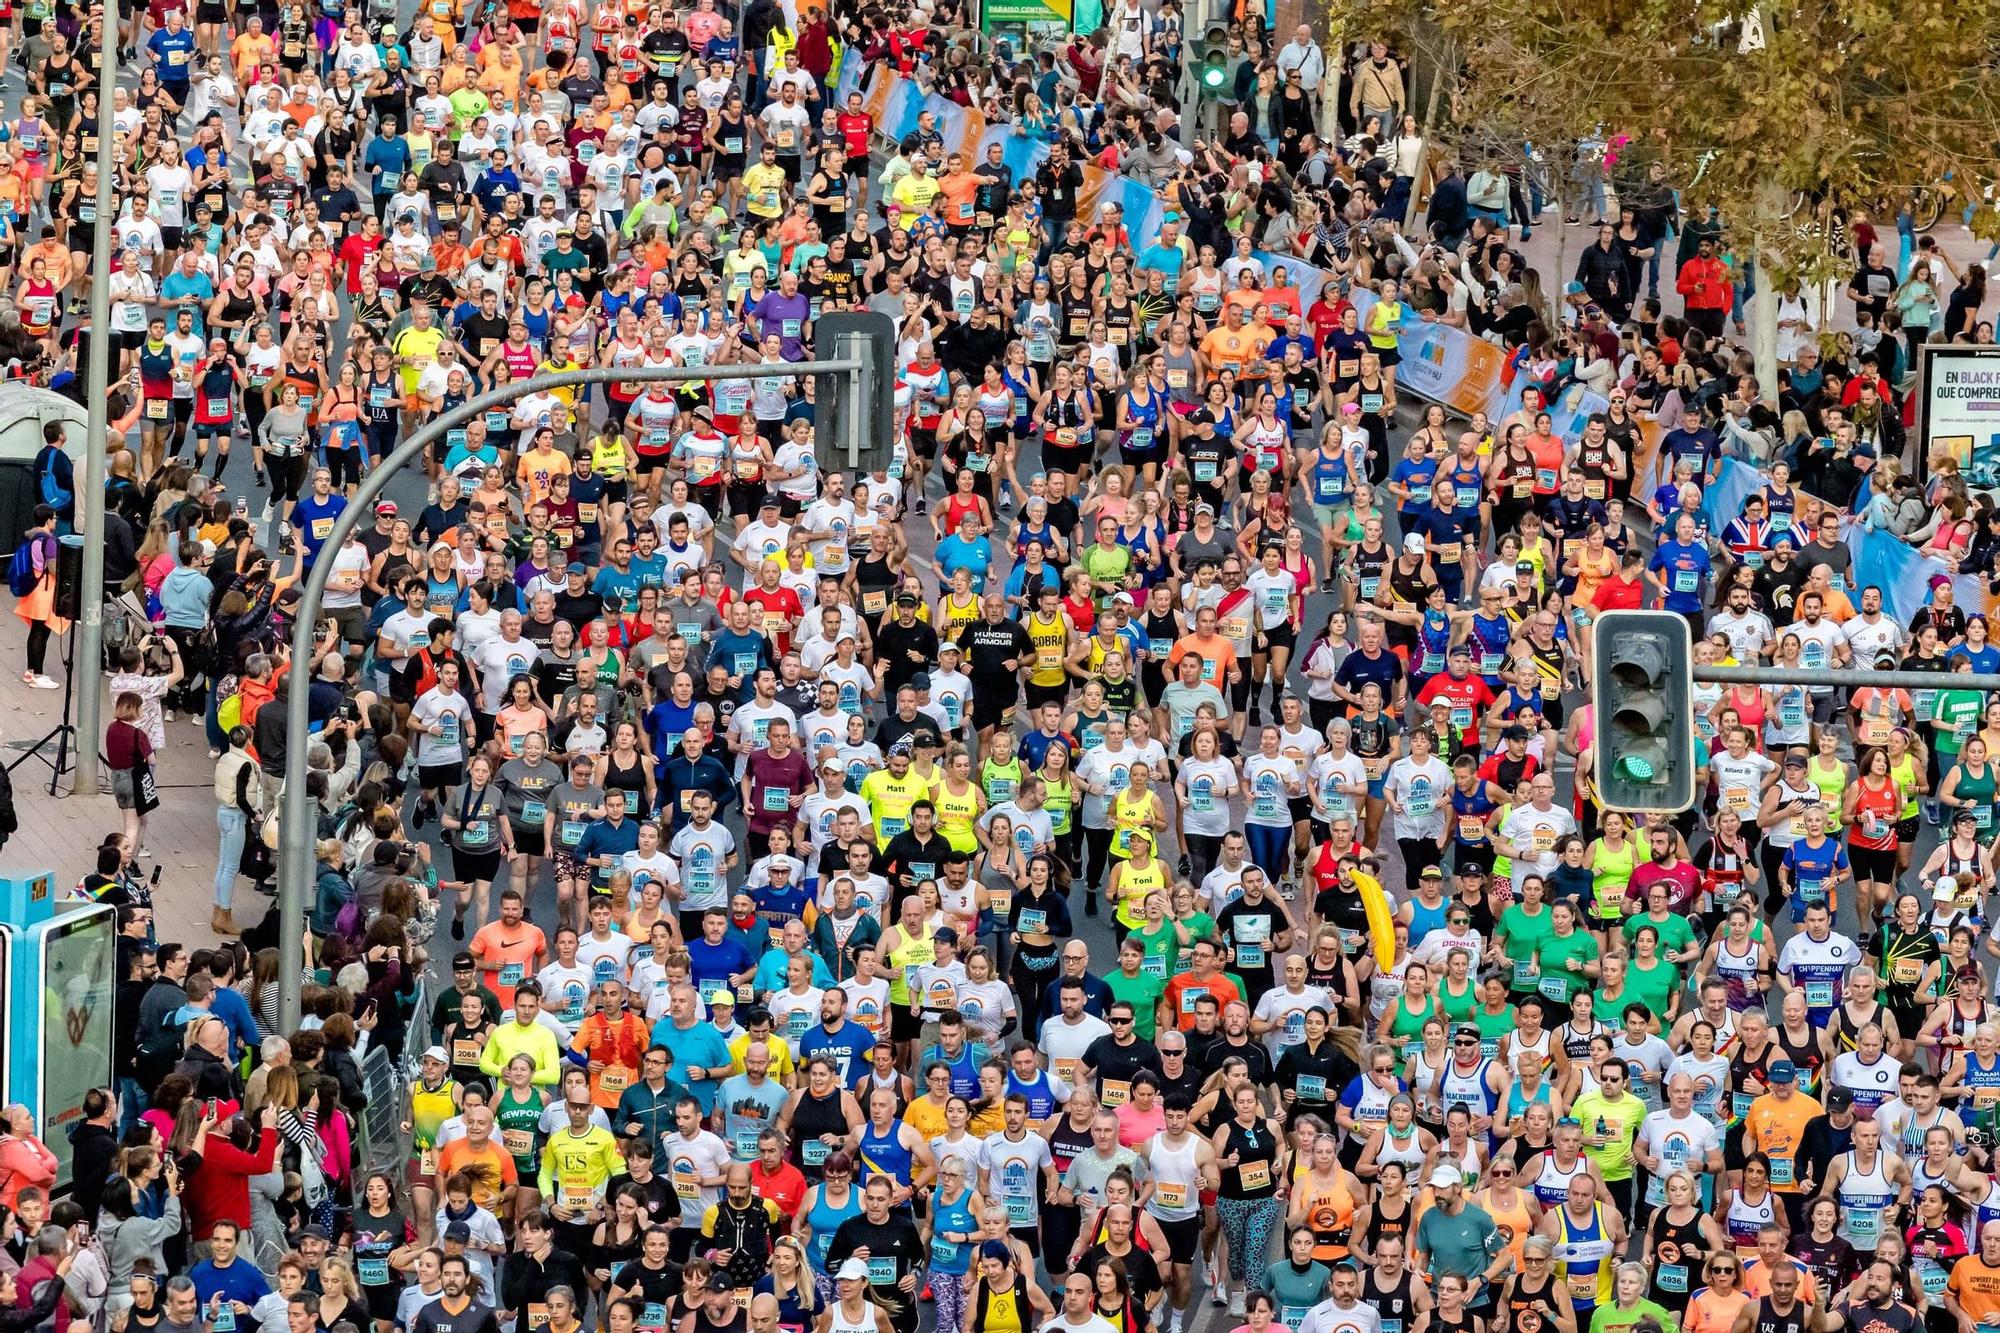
(88, 658)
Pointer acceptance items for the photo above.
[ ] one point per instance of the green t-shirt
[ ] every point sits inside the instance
(1107, 564)
(1552, 957)
(1654, 989)
(1525, 933)
(1296, 1291)
(1960, 709)
(1142, 992)
(1675, 933)
(1610, 1319)
(1493, 1026)
(1621, 1126)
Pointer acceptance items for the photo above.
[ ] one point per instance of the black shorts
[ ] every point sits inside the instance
(1070, 458)
(1389, 356)
(903, 1024)
(650, 463)
(170, 237)
(438, 777)
(996, 713)
(128, 340)
(209, 12)
(1183, 1237)
(923, 443)
(1281, 636)
(1873, 863)
(1037, 695)
(528, 840)
(470, 867)
(1907, 830)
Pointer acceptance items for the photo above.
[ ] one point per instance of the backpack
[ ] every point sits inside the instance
(49, 488)
(21, 574)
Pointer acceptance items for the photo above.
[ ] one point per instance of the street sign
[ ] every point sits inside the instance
(854, 428)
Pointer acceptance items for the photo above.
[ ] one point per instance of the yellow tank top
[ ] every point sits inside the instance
(1003, 1310)
(607, 459)
(1128, 814)
(955, 816)
(1051, 640)
(904, 960)
(956, 615)
(1133, 886)
(1904, 771)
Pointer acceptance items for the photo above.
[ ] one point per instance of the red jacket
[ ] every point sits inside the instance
(220, 1187)
(1705, 284)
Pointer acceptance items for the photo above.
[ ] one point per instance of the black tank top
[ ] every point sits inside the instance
(816, 1116)
(1395, 1305)
(628, 779)
(1256, 1150)
(1067, 1143)
(1382, 1226)
(1678, 1245)
(1770, 1321)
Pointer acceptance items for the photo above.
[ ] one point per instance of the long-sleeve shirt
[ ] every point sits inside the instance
(221, 1188)
(535, 1041)
(576, 1167)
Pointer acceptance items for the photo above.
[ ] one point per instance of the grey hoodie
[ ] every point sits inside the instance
(127, 1240)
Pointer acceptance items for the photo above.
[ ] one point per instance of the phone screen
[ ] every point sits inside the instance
(211, 1108)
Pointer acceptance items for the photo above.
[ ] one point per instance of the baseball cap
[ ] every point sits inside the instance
(1445, 1177)
(853, 1270)
(1414, 543)
(437, 1053)
(1784, 1071)
(458, 1231)
(386, 507)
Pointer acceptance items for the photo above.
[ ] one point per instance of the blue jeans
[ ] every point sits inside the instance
(234, 827)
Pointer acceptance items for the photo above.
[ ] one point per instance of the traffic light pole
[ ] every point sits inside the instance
(298, 828)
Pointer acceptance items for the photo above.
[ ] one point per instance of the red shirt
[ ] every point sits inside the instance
(785, 1187)
(855, 128)
(781, 602)
(354, 253)
(1618, 594)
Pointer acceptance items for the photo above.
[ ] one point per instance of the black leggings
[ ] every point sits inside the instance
(1031, 985)
(1097, 852)
(288, 476)
(38, 645)
(344, 465)
(1204, 850)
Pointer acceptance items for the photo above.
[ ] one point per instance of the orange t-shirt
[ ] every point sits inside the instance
(1776, 1129)
(958, 190)
(1217, 654)
(1185, 990)
(505, 956)
(490, 1170)
(1976, 1287)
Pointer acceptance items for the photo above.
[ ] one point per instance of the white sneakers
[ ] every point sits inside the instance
(35, 680)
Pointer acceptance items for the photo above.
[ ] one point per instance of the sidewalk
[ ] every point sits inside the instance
(61, 833)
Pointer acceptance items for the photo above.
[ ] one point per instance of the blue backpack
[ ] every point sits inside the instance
(21, 574)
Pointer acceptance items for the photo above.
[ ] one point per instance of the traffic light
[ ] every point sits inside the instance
(1213, 71)
(855, 411)
(1643, 702)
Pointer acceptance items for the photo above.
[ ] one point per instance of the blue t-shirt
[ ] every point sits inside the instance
(700, 1045)
(955, 553)
(313, 517)
(716, 964)
(1681, 568)
(849, 1046)
(173, 55)
(1810, 869)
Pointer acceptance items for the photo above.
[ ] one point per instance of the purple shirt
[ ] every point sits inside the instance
(785, 316)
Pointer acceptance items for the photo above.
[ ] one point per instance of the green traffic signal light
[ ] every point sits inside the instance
(1642, 698)
(1212, 73)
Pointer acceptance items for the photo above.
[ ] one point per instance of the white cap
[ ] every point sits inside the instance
(1444, 1177)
